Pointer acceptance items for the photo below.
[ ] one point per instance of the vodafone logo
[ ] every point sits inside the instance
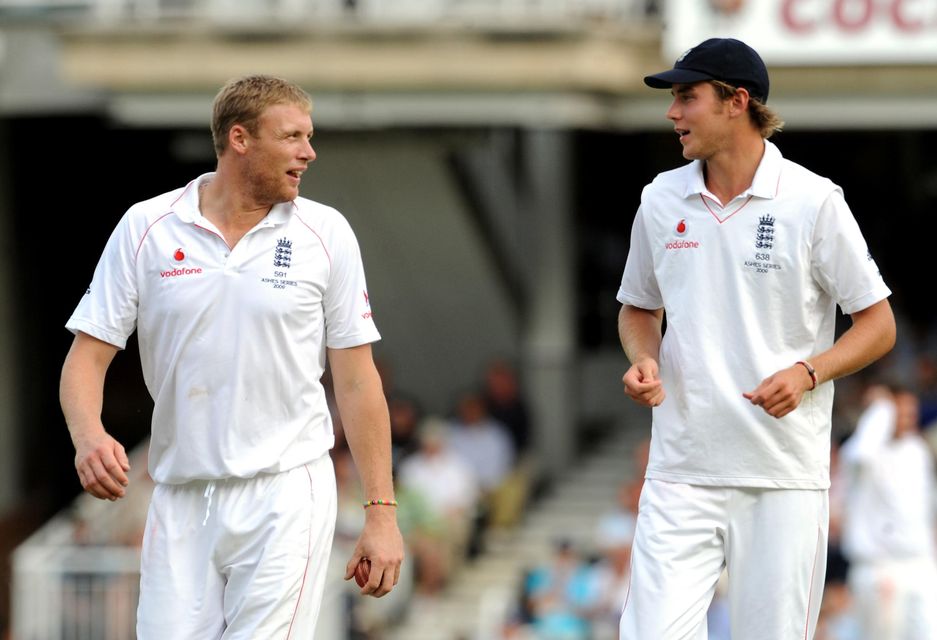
(681, 244)
(179, 256)
(176, 272)
(681, 230)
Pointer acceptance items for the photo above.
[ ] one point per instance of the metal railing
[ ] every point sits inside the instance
(376, 12)
(77, 577)
(75, 592)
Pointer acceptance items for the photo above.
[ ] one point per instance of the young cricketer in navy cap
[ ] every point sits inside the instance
(747, 255)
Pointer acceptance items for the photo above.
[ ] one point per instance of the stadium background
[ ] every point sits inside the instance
(489, 153)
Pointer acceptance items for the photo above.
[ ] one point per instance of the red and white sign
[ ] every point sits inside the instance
(810, 32)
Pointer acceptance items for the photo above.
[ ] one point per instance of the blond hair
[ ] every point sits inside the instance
(765, 119)
(243, 100)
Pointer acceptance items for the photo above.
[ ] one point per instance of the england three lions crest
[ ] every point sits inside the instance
(762, 261)
(283, 253)
(764, 233)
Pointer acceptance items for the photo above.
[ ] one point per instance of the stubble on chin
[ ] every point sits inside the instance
(269, 191)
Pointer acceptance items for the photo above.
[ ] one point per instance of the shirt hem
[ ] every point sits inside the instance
(739, 481)
(243, 475)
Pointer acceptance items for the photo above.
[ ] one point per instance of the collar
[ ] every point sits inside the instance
(186, 206)
(764, 185)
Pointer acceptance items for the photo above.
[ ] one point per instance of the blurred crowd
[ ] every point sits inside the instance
(458, 475)
(881, 579)
(578, 593)
(472, 469)
(463, 473)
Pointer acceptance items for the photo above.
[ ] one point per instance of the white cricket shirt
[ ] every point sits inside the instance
(747, 289)
(232, 341)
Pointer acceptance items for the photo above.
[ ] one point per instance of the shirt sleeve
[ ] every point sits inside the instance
(639, 286)
(108, 310)
(841, 262)
(349, 321)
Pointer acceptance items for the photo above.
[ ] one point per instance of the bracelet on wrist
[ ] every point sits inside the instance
(380, 503)
(811, 371)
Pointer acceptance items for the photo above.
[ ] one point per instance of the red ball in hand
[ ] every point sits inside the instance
(362, 571)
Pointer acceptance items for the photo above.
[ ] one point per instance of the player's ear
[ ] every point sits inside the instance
(238, 138)
(738, 101)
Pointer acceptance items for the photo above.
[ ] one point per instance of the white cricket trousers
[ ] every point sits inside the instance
(772, 543)
(238, 559)
(895, 599)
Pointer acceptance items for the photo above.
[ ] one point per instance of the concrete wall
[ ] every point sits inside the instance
(438, 302)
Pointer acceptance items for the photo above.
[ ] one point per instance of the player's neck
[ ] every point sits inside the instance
(731, 171)
(234, 213)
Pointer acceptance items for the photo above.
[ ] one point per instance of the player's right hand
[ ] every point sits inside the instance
(642, 383)
(102, 466)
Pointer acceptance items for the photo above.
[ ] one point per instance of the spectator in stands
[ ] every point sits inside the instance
(562, 595)
(240, 291)
(925, 368)
(889, 526)
(517, 629)
(481, 442)
(451, 491)
(505, 402)
(405, 416)
(504, 398)
(838, 619)
(486, 448)
(621, 518)
(612, 572)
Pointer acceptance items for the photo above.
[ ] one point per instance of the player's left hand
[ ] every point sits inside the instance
(382, 544)
(781, 392)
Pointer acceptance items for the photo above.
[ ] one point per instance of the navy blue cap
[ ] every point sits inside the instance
(726, 59)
